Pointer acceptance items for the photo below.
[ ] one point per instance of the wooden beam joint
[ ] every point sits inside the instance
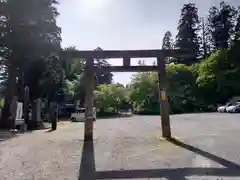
(126, 61)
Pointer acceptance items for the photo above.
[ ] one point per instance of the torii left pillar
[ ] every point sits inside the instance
(163, 97)
(89, 85)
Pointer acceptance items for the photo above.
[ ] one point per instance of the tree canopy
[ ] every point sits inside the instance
(188, 27)
(222, 23)
(29, 33)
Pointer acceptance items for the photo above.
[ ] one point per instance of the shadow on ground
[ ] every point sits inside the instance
(50, 130)
(88, 169)
(114, 117)
(6, 135)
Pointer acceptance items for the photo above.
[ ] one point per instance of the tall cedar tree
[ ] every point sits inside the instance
(221, 24)
(237, 27)
(206, 39)
(3, 48)
(188, 28)
(167, 43)
(30, 33)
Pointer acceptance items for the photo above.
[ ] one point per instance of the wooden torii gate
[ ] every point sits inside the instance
(126, 55)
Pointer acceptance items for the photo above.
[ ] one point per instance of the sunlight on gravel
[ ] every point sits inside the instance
(126, 144)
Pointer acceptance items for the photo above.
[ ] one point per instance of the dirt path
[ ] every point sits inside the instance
(127, 148)
(42, 156)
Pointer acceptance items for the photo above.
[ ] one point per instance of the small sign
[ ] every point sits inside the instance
(163, 95)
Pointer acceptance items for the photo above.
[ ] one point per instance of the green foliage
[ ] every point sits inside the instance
(74, 80)
(218, 78)
(79, 88)
(195, 88)
(110, 98)
(182, 88)
(102, 77)
(1, 102)
(144, 94)
(234, 53)
(73, 67)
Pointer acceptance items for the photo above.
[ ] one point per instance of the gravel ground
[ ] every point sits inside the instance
(206, 147)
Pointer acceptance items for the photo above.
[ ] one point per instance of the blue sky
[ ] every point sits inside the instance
(122, 24)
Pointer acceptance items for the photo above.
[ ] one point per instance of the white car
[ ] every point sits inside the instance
(232, 109)
(223, 108)
(79, 115)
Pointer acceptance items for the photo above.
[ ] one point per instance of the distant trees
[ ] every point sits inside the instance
(144, 92)
(221, 24)
(196, 84)
(110, 98)
(103, 77)
(29, 56)
(188, 28)
(221, 30)
(167, 43)
(74, 81)
(200, 83)
(206, 46)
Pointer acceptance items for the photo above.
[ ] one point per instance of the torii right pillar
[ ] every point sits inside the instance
(163, 97)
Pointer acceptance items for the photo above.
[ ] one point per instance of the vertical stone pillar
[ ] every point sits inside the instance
(26, 106)
(38, 109)
(89, 84)
(53, 107)
(33, 116)
(13, 111)
(163, 96)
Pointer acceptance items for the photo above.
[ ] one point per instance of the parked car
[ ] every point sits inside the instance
(234, 108)
(79, 115)
(125, 112)
(223, 108)
(237, 109)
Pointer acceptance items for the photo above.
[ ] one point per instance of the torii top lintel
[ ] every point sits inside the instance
(107, 54)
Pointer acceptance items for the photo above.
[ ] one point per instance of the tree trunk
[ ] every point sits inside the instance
(6, 122)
